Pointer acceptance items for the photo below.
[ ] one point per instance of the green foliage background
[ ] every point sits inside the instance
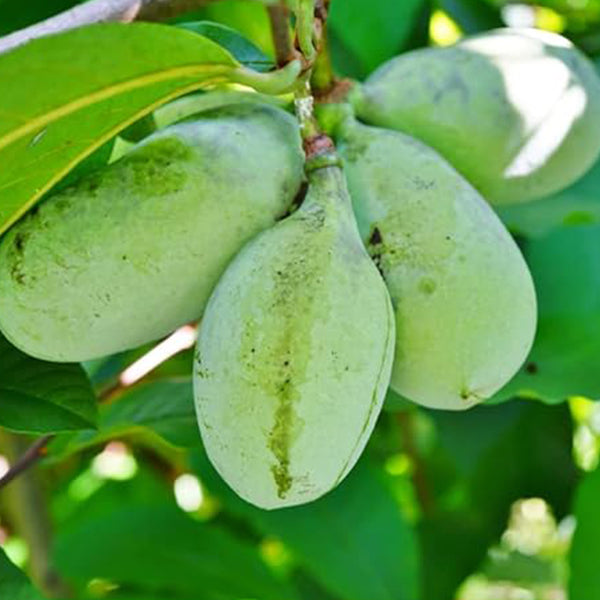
(478, 505)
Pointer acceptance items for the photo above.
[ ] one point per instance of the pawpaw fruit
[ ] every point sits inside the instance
(517, 112)
(463, 296)
(131, 252)
(294, 354)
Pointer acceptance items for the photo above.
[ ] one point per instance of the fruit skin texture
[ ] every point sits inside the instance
(517, 112)
(463, 296)
(294, 354)
(129, 253)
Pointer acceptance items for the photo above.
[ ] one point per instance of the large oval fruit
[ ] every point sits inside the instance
(517, 112)
(463, 296)
(131, 252)
(295, 353)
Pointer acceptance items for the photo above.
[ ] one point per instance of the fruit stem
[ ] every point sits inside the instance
(315, 142)
(305, 28)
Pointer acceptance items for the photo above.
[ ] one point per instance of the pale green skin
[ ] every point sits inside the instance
(517, 112)
(133, 251)
(463, 296)
(295, 354)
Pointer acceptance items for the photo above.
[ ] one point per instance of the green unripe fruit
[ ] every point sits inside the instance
(463, 296)
(133, 251)
(295, 353)
(517, 112)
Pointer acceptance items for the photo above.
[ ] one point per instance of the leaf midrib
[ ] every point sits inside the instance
(34, 125)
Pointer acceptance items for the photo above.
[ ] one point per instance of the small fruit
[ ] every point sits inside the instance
(131, 252)
(463, 297)
(517, 112)
(294, 354)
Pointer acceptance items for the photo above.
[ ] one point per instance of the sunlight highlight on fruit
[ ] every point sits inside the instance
(515, 111)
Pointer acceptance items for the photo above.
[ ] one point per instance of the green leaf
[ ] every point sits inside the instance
(250, 19)
(472, 16)
(96, 160)
(70, 93)
(564, 358)
(239, 46)
(363, 39)
(158, 549)
(43, 397)
(579, 204)
(355, 540)
(584, 581)
(165, 406)
(14, 585)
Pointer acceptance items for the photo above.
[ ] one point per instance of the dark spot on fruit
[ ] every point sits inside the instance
(376, 258)
(421, 184)
(20, 242)
(17, 274)
(375, 237)
(427, 286)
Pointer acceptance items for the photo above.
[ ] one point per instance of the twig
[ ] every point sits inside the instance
(27, 459)
(279, 17)
(100, 11)
(25, 504)
(37, 450)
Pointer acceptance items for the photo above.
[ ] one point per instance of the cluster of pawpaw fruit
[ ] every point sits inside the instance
(393, 270)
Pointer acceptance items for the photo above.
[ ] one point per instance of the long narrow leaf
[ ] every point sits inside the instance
(63, 96)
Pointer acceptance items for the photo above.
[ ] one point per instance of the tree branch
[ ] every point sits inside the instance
(37, 450)
(27, 459)
(100, 11)
(279, 16)
(26, 505)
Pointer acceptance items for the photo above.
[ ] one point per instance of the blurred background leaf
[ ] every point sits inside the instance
(14, 585)
(584, 581)
(42, 397)
(564, 359)
(362, 38)
(236, 44)
(149, 546)
(355, 541)
(527, 454)
(14, 17)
